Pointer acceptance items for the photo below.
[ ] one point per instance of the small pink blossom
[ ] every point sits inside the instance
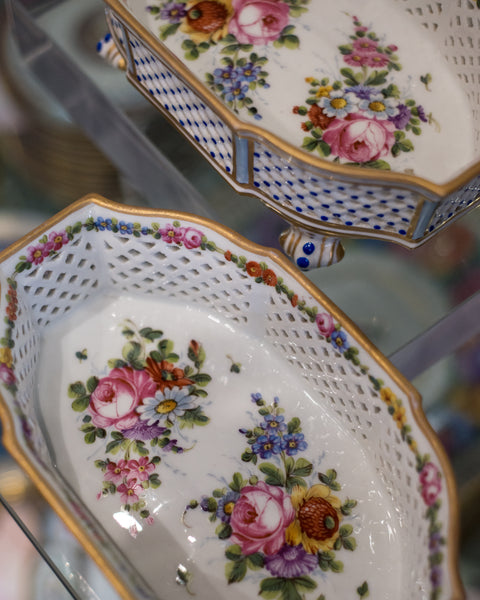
(376, 60)
(325, 324)
(192, 238)
(35, 254)
(117, 471)
(130, 491)
(58, 239)
(141, 468)
(431, 492)
(362, 29)
(392, 48)
(171, 234)
(356, 59)
(149, 520)
(429, 474)
(364, 45)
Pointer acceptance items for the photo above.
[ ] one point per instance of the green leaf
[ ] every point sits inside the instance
(303, 468)
(377, 78)
(116, 363)
(273, 473)
(323, 148)
(90, 437)
(377, 164)
(150, 334)
(345, 530)
(77, 389)
(294, 425)
(114, 446)
(304, 582)
(201, 379)
(92, 383)
(237, 482)
(192, 417)
(255, 561)
(270, 587)
(235, 571)
(362, 590)
(290, 41)
(233, 552)
(131, 352)
(224, 531)
(349, 543)
(293, 481)
(347, 506)
(350, 77)
(81, 404)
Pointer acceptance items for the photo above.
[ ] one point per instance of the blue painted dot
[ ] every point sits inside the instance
(308, 248)
(313, 194)
(340, 187)
(227, 169)
(376, 227)
(367, 206)
(349, 223)
(278, 183)
(339, 201)
(310, 207)
(403, 232)
(302, 181)
(288, 197)
(256, 154)
(365, 219)
(256, 169)
(212, 154)
(266, 183)
(268, 154)
(256, 184)
(391, 223)
(303, 262)
(299, 209)
(400, 197)
(354, 197)
(300, 196)
(380, 215)
(352, 211)
(324, 218)
(276, 197)
(327, 191)
(337, 215)
(395, 210)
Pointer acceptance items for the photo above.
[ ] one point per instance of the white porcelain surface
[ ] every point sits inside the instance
(192, 398)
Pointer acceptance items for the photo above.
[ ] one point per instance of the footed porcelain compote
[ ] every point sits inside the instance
(335, 114)
(208, 423)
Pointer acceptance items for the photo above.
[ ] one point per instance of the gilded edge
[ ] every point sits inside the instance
(46, 489)
(412, 182)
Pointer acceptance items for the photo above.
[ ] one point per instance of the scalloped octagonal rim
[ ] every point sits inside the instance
(14, 445)
(432, 190)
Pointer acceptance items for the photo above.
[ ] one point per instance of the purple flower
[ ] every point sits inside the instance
(294, 442)
(236, 91)
(173, 12)
(225, 506)
(142, 431)
(421, 114)
(225, 76)
(361, 91)
(436, 576)
(435, 542)
(145, 230)
(247, 72)
(273, 423)
(401, 119)
(256, 398)
(266, 445)
(291, 561)
(339, 341)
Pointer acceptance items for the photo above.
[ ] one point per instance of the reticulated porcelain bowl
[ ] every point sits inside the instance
(335, 115)
(207, 422)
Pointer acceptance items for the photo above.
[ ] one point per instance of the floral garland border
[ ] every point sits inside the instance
(49, 246)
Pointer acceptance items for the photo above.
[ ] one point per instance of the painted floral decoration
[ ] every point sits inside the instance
(280, 517)
(134, 376)
(363, 118)
(146, 397)
(238, 26)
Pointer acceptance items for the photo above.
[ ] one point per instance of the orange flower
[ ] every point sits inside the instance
(294, 300)
(253, 269)
(207, 20)
(228, 255)
(269, 277)
(166, 375)
(388, 396)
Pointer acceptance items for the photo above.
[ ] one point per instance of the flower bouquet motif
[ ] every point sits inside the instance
(275, 519)
(139, 406)
(362, 118)
(238, 26)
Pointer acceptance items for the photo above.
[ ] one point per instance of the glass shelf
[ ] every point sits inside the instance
(74, 125)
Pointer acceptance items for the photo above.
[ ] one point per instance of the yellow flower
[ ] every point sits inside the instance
(413, 446)
(317, 518)
(207, 20)
(399, 415)
(388, 396)
(324, 91)
(6, 357)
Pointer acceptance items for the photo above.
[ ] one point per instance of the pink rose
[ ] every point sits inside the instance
(258, 21)
(192, 238)
(430, 493)
(359, 139)
(116, 397)
(325, 324)
(260, 517)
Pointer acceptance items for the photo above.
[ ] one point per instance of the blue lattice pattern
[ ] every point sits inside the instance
(380, 208)
(203, 126)
(454, 204)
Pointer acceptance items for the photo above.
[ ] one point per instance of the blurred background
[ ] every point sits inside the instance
(48, 160)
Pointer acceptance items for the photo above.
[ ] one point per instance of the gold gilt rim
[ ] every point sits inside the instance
(47, 490)
(248, 130)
